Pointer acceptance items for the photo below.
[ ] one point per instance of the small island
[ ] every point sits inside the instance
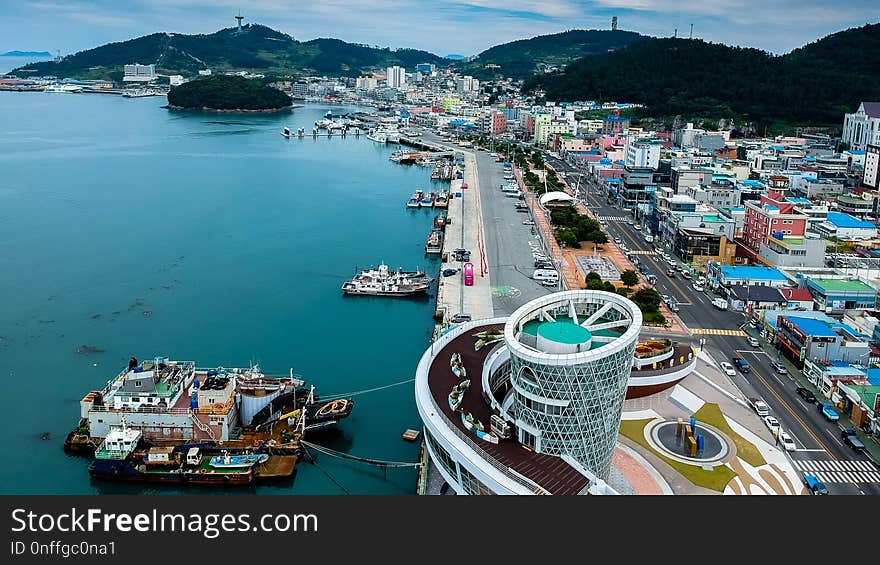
(228, 94)
(26, 54)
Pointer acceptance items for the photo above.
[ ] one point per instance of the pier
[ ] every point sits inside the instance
(465, 231)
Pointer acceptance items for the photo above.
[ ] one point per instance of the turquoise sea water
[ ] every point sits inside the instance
(205, 237)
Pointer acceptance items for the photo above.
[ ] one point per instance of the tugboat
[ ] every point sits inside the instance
(383, 282)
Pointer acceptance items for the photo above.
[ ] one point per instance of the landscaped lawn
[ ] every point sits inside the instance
(716, 479)
(745, 450)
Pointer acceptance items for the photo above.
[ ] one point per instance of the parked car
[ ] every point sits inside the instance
(617, 240)
(728, 369)
(779, 368)
(449, 272)
(719, 303)
(686, 275)
(753, 341)
(849, 437)
(670, 273)
(786, 441)
(806, 394)
(828, 412)
(742, 365)
(772, 424)
(528, 222)
(460, 318)
(761, 408)
(814, 485)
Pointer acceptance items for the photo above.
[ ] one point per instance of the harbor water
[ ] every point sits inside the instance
(130, 230)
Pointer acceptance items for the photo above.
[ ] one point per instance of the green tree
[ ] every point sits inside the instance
(593, 276)
(629, 278)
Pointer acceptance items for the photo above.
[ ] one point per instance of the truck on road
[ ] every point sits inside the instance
(828, 412)
(719, 303)
(849, 438)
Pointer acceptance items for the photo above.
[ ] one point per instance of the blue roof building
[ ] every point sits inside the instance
(728, 275)
(845, 227)
(818, 340)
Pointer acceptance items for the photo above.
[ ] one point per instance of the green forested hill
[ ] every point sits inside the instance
(525, 57)
(814, 84)
(258, 48)
(223, 92)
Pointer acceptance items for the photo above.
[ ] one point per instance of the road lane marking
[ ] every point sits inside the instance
(795, 415)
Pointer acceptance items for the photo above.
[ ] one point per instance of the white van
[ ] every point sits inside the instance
(547, 277)
(719, 303)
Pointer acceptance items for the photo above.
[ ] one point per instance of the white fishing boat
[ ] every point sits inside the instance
(378, 136)
(384, 282)
(63, 89)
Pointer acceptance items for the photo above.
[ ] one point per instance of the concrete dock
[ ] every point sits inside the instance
(465, 231)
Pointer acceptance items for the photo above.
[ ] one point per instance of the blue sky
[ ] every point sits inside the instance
(465, 26)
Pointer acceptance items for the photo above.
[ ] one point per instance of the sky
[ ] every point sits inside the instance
(463, 27)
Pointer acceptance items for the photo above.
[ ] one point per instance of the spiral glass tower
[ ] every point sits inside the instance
(570, 357)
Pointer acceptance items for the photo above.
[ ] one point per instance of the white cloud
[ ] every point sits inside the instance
(548, 8)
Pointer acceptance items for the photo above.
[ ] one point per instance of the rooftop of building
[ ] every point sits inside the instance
(797, 294)
(757, 293)
(842, 220)
(811, 326)
(840, 285)
(752, 272)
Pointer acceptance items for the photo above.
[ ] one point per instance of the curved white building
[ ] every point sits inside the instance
(540, 411)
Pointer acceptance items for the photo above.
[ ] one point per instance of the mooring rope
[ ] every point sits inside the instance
(376, 462)
(337, 396)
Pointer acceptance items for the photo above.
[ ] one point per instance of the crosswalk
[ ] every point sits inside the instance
(642, 252)
(839, 471)
(715, 331)
(613, 218)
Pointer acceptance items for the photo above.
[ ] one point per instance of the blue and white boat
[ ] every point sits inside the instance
(227, 461)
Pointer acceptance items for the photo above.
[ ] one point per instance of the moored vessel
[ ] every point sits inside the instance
(384, 282)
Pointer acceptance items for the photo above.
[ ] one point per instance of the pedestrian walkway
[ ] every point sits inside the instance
(717, 331)
(840, 471)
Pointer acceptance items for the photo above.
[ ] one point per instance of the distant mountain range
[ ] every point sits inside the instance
(815, 84)
(26, 54)
(257, 48)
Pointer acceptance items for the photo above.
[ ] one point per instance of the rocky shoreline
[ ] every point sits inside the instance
(233, 111)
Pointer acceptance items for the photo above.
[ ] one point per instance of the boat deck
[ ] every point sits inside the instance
(552, 473)
(276, 466)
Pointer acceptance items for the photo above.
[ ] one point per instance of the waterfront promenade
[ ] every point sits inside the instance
(465, 231)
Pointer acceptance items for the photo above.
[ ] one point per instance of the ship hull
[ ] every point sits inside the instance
(402, 293)
(116, 470)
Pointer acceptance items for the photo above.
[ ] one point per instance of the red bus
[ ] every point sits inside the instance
(469, 274)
